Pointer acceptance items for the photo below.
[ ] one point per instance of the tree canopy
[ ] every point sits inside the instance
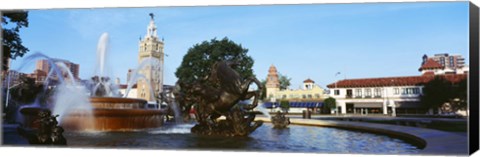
(285, 105)
(330, 103)
(264, 90)
(284, 81)
(199, 59)
(12, 46)
(439, 91)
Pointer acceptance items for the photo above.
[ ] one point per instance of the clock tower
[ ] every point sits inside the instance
(150, 47)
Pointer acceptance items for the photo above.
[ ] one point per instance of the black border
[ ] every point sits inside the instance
(473, 80)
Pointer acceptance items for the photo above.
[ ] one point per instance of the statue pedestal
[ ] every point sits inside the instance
(279, 121)
(234, 125)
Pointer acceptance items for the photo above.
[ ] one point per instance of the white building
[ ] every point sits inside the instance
(122, 88)
(390, 95)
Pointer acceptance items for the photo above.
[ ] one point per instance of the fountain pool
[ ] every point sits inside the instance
(296, 138)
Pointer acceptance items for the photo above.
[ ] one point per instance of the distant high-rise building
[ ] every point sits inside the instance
(447, 61)
(443, 64)
(44, 66)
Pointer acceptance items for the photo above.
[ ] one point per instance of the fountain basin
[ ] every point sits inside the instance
(108, 114)
(117, 103)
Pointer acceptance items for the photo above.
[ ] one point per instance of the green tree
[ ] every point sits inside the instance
(199, 59)
(12, 46)
(459, 98)
(264, 90)
(436, 92)
(285, 105)
(284, 81)
(329, 103)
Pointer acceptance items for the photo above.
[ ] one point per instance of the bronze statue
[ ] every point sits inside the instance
(48, 133)
(218, 95)
(279, 121)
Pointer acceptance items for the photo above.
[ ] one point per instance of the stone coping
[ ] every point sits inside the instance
(432, 142)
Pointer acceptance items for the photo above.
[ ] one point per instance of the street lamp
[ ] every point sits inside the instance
(336, 80)
(8, 88)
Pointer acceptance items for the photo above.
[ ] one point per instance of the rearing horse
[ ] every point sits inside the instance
(215, 102)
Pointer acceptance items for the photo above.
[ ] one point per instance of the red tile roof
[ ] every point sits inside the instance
(394, 81)
(308, 81)
(430, 64)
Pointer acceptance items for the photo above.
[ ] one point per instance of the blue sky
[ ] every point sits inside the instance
(302, 41)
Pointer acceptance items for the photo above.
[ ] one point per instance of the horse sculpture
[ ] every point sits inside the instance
(218, 95)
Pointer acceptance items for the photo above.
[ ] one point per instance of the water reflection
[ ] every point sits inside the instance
(293, 139)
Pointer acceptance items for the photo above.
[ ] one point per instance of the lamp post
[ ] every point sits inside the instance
(336, 80)
(8, 88)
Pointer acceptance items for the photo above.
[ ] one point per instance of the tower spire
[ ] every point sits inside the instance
(151, 29)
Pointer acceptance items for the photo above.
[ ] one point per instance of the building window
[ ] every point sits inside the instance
(396, 91)
(358, 92)
(336, 92)
(377, 92)
(304, 96)
(349, 93)
(309, 96)
(409, 90)
(284, 96)
(317, 96)
(451, 61)
(368, 92)
(416, 90)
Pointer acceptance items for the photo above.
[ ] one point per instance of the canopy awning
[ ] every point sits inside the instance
(294, 104)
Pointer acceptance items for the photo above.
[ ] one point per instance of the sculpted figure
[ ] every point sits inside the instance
(48, 133)
(279, 121)
(218, 95)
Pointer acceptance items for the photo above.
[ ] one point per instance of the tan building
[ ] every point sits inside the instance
(309, 97)
(150, 46)
(308, 92)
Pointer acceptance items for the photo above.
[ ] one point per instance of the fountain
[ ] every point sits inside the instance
(95, 105)
(224, 110)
